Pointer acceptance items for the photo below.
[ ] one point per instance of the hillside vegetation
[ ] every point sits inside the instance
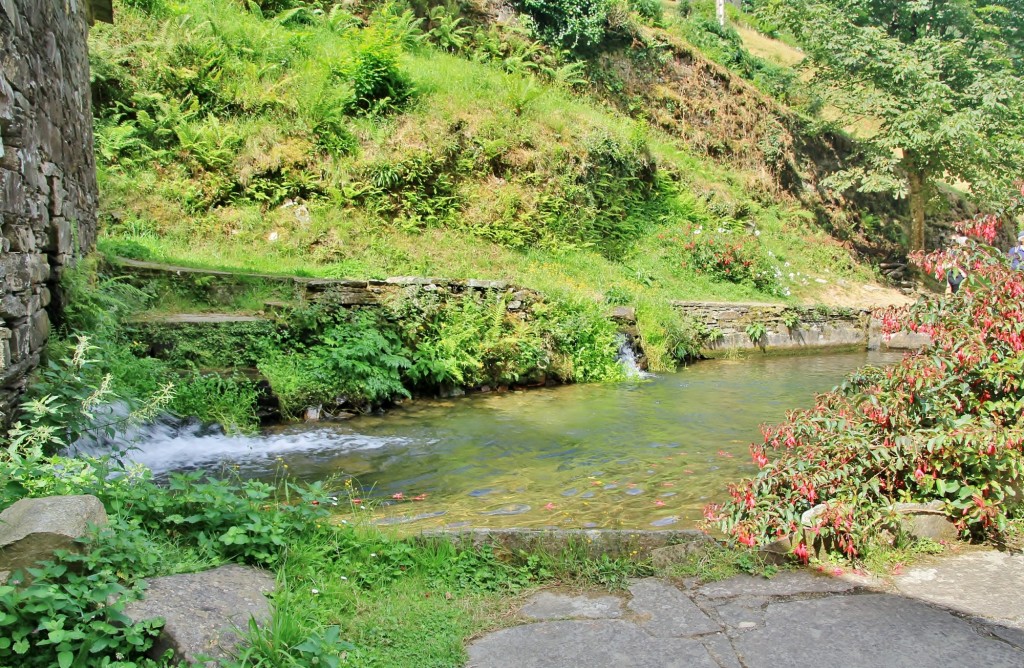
(383, 140)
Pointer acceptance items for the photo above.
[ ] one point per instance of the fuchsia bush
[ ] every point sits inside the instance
(945, 423)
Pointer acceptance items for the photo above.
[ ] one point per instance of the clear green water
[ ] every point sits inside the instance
(631, 455)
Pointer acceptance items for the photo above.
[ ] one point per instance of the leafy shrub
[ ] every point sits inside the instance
(378, 85)
(569, 23)
(356, 362)
(61, 614)
(727, 256)
(584, 343)
(467, 342)
(944, 424)
(229, 401)
(651, 10)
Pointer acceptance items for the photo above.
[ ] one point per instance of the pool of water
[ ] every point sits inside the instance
(640, 454)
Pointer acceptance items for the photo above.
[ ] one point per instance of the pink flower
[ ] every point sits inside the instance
(398, 496)
(550, 506)
(802, 553)
(659, 503)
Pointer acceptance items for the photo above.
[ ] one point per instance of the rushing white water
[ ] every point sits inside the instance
(174, 445)
(627, 358)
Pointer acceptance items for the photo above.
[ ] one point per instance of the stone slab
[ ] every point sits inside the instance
(203, 611)
(551, 605)
(31, 530)
(602, 643)
(869, 630)
(983, 583)
(666, 612)
(786, 583)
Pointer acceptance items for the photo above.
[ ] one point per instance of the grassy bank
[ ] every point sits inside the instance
(373, 143)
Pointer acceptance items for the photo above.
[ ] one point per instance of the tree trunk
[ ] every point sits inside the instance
(917, 203)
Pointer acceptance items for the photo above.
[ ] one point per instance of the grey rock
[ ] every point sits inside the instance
(624, 314)
(667, 612)
(31, 530)
(481, 284)
(927, 520)
(671, 555)
(603, 643)
(40, 330)
(203, 612)
(551, 605)
(786, 583)
(869, 630)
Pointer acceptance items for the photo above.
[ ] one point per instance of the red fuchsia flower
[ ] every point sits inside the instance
(918, 474)
(398, 496)
(357, 501)
(802, 553)
(711, 512)
(723, 453)
(549, 506)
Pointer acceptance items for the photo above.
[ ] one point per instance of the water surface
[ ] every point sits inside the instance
(629, 455)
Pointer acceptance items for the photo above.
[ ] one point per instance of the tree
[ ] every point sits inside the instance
(942, 80)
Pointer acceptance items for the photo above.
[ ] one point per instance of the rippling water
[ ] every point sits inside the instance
(630, 455)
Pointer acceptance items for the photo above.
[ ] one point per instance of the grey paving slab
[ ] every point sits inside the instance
(742, 613)
(786, 583)
(666, 612)
(985, 583)
(720, 649)
(881, 630)
(551, 605)
(602, 643)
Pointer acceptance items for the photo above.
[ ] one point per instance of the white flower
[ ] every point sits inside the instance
(757, 233)
(344, 578)
(373, 554)
(314, 591)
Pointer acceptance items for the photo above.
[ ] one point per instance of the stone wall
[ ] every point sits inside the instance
(792, 328)
(47, 173)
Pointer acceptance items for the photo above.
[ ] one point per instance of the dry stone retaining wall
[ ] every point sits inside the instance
(792, 328)
(47, 172)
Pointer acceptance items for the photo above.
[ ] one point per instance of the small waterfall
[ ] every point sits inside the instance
(628, 359)
(169, 444)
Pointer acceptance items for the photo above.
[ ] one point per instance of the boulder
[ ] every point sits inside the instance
(31, 530)
(204, 612)
(927, 520)
(624, 314)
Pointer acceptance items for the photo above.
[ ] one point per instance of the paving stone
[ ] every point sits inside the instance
(550, 605)
(204, 611)
(668, 612)
(742, 613)
(786, 583)
(720, 649)
(602, 643)
(985, 583)
(869, 630)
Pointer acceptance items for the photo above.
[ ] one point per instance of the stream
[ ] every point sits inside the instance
(639, 454)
